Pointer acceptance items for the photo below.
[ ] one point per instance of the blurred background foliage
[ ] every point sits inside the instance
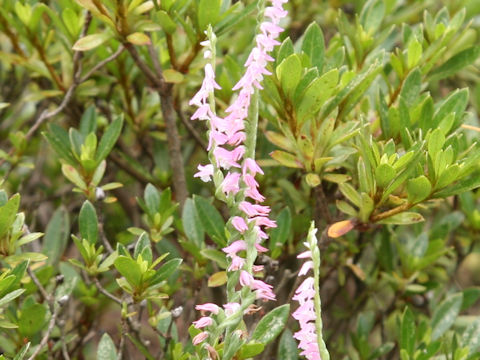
(368, 125)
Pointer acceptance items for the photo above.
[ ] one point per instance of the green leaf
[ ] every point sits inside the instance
(217, 279)
(10, 296)
(405, 218)
(287, 347)
(456, 63)
(88, 122)
(414, 53)
(73, 175)
(445, 314)
(411, 87)
(284, 51)
(471, 337)
(57, 137)
(152, 199)
(211, 220)
(23, 351)
(470, 297)
(90, 42)
(435, 143)
(289, 73)
(250, 350)
(418, 189)
(192, 225)
(106, 349)
(286, 159)
(32, 319)
(166, 270)
(138, 38)
(372, 14)
(314, 45)
(109, 139)
(215, 255)
(8, 213)
(316, 94)
(88, 222)
(143, 247)
(208, 13)
(56, 235)
(280, 234)
(129, 269)
(455, 103)
(166, 22)
(384, 173)
(350, 193)
(407, 335)
(271, 325)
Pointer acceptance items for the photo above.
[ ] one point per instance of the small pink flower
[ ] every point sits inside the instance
(264, 221)
(258, 268)
(305, 255)
(252, 166)
(235, 247)
(260, 248)
(231, 183)
(205, 172)
(203, 322)
(227, 159)
(199, 338)
(239, 224)
(237, 263)
(231, 308)
(245, 278)
(307, 265)
(208, 307)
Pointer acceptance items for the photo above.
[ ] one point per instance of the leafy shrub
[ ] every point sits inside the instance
(365, 121)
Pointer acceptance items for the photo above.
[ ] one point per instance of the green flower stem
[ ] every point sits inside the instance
(316, 300)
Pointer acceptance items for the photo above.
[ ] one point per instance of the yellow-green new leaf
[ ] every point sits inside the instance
(90, 42)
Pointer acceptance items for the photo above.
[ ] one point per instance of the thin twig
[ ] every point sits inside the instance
(196, 135)
(40, 287)
(45, 338)
(102, 63)
(107, 293)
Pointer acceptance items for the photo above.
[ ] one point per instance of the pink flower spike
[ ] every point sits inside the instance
(208, 307)
(199, 338)
(239, 224)
(203, 322)
(205, 172)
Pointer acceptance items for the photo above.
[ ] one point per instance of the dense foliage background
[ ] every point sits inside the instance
(368, 125)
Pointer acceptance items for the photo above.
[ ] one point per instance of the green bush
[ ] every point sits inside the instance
(366, 123)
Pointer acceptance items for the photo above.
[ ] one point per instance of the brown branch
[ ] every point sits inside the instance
(190, 57)
(106, 292)
(171, 51)
(396, 210)
(191, 129)
(173, 139)
(12, 36)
